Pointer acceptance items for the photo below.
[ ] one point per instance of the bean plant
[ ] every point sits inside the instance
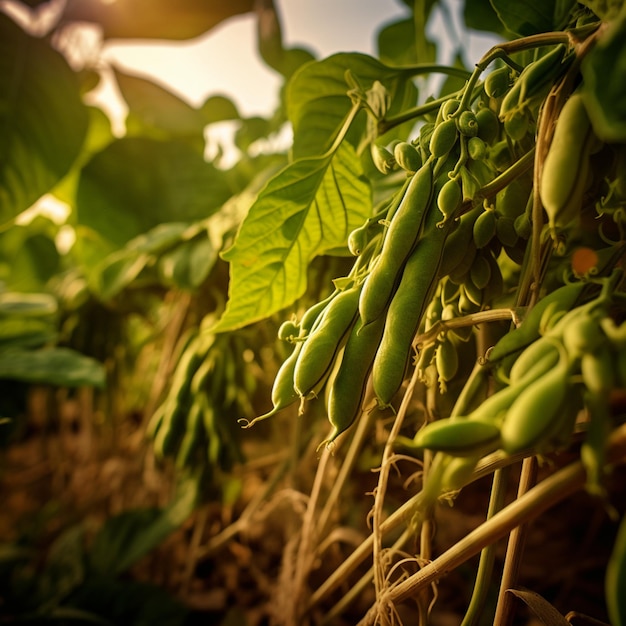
(421, 301)
(487, 280)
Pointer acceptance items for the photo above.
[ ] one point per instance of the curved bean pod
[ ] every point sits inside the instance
(317, 356)
(400, 239)
(415, 291)
(347, 389)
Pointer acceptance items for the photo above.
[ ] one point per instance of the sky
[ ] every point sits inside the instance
(226, 59)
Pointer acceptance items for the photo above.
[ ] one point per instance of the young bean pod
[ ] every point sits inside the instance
(415, 291)
(347, 389)
(400, 239)
(317, 356)
(535, 416)
(558, 301)
(565, 169)
(459, 436)
(283, 391)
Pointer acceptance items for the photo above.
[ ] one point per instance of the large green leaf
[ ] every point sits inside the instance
(605, 88)
(137, 183)
(218, 108)
(154, 109)
(42, 119)
(28, 254)
(317, 100)
(271, 47)
(533, 16)
(52, 366)
(480, 15)
(396, 44)
(308, 209)
(154, 19)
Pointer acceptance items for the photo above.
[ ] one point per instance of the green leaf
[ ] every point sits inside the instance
(188, 264)
(396, 47)
(271, 48)
(64, 568)
(61, 367)
(480, 15)
(160, 19)
(219, 109)
(25, 332)
(545, 612)
(137, 183)
(252, 129)
(603, 70)
(28, 255)
(118, 271)
(154, 109)
(27, 304)
(308, 209)
(42, 119)
(183, 253)
(317, 100)
(606, 10)
(533, 16)
(129, 536)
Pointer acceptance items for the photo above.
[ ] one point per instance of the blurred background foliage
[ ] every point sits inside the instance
(109, 264)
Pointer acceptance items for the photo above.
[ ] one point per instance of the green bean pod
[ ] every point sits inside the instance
(443, 138)
(406, 309)
(596, 400)
(559, 300)
(496, 405)
(447, 362)
(488, 125)
(312, 315)
(347, 389)
(400, 239)
(317, 356)
(484, 228)
(288, 331)
(467, 124)
(583, 336)
(458, 472)
(533, 80)
(497, 82)
(407, 156)
(476, 149)
(459, 436)
(457, 244)
(192, 437)
(534, 417)
(566, 166)
(542, 351)
(283, 391)
(449, 198)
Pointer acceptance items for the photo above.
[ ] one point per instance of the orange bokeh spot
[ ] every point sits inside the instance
(584, 260)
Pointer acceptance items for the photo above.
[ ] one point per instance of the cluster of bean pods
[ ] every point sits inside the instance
(452, 242)
(189, 425)
(558, 370)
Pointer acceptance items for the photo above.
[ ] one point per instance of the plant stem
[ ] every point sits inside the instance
(363, 426)
(404, 513)
(484, 573)
(377, 514)
(549, 492)
(515, 549)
